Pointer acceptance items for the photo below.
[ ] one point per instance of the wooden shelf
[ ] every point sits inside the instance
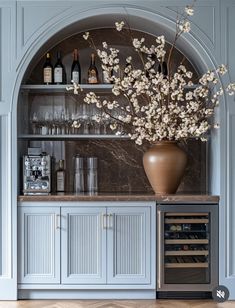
(187, 241)
(186, 214)
(71, 137)
(61, 88)
(186, 265)
(187, 253)
(186, 231)
(186, 221)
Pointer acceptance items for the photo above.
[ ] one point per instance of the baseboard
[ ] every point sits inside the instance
(184, 295)
(86, 294)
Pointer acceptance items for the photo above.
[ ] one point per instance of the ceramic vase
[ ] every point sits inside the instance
(164, 165)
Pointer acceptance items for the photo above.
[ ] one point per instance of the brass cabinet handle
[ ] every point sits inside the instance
(110, 221)
(57, 221)
(104, 221)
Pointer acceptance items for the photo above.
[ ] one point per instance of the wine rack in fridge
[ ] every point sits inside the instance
(187, 247)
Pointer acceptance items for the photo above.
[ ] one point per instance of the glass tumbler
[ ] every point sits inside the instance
(92, 175)
(79, 175)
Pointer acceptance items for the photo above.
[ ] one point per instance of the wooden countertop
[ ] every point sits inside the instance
(175, 198)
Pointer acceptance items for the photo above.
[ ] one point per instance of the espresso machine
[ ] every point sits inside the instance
(36, 174)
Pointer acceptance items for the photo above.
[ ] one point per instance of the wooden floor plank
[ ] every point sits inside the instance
(116, 304)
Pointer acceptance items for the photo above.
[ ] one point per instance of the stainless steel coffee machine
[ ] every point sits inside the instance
(36, 174)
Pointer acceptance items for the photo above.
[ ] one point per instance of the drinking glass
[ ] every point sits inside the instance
(92, 175)
(79, 174)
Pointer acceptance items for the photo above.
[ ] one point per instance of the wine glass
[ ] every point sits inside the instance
(57, 123)
(62, 122)
(34, 122)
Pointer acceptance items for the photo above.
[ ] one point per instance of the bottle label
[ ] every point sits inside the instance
(75, 77)
(58, 75)
(92, 78)
(47, 75)
(60, 181)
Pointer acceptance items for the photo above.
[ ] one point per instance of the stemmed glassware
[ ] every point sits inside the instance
(92, 120)
(85, 119)
(34, 122)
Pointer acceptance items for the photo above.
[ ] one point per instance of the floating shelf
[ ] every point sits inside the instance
(61, 88)
(71, 137)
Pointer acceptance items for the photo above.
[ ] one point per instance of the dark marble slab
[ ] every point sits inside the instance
(121, 169)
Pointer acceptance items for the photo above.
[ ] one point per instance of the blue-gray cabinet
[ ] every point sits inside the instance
(39, 245)
(128, 245)
(101, 243)
(83, 245)
(105, 245)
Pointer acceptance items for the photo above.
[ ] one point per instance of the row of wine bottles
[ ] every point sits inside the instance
(180, 247)
(57, 74)
(185, 236)
(186, 259)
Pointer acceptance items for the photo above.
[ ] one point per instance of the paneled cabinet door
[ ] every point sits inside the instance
(39, 244)
(83, 245)
(128, 248)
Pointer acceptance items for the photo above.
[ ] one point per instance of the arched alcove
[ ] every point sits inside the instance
(144, 21)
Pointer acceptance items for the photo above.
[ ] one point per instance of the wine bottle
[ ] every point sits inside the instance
(47, 70)
(92, 71)
(162, 68)
(60, 177)
(59, 71)
(76, 68)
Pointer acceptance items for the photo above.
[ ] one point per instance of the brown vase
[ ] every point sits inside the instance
(164, 165)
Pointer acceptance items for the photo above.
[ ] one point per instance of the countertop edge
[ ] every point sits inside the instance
(119, 197)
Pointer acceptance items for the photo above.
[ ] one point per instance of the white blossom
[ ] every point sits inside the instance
(105, 45)
(113, 126)
(189, 10)
(76, 124)
(136, 43)
(160, 40)
(86, 35)
(185, 27)
(119, 25)
(231, 88)
(222, 69)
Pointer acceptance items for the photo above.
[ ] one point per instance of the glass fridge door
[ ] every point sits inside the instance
(186, 248)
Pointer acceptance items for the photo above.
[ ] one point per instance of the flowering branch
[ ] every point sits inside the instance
(150, 104)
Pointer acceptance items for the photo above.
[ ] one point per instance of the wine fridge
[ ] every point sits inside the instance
(187, 247)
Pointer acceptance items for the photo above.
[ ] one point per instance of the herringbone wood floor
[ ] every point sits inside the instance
(116, 304)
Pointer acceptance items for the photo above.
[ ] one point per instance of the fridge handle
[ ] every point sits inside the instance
(159, 259)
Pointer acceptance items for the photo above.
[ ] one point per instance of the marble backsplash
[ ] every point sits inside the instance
(120, 166)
